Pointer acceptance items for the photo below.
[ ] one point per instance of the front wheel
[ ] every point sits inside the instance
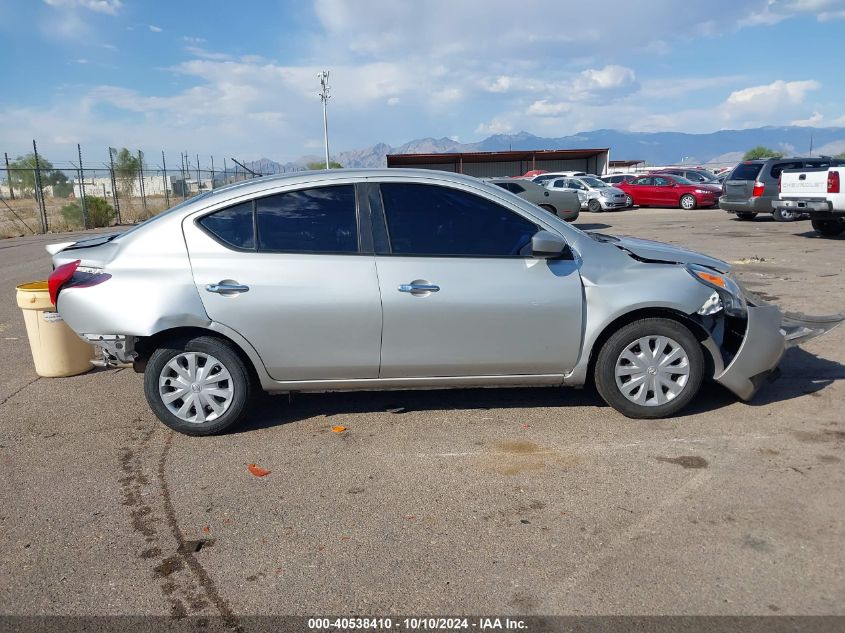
(594, 206)
(688, 202)
(197, 386)
(830, 228)
(629, 201)
(651, 368)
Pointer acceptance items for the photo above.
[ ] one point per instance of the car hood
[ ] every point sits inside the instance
(651, 251)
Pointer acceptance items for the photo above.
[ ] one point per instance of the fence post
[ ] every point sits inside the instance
(39, 190)
(114, 184)
(82, 189)
(164, 180)
(141, 180)
(9, 176)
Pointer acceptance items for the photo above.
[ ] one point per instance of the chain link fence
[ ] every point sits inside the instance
(38, 195)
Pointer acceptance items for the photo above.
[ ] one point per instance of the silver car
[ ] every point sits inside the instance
(595, 194)
(385, 279)
(564, 204)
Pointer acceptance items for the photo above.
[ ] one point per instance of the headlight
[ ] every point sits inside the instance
(728, 294)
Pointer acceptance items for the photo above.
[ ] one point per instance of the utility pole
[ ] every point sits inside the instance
(112, 151)
(164, 180)
(82, 189)
(42, 207)
(324, 97)
(141, 180)
(9, 176)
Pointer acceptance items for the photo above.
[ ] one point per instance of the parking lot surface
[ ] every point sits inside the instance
(522, 501)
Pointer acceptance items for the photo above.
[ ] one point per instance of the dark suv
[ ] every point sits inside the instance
(753, 185)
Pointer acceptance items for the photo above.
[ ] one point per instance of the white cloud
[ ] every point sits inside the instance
(500, 84)
(154, 28)
(813, 120)
(544, 107)
(496, 126)
(393, 101)
(110, 7)
(603, 83)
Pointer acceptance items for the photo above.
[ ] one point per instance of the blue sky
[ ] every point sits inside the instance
(239, 79)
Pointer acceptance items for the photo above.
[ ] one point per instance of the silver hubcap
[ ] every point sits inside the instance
(195, 387)
(687, 202)
(652, 371)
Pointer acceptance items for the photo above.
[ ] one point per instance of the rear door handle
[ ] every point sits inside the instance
(225, 289)
(419, 288)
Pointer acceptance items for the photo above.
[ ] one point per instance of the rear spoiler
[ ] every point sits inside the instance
(58, 247)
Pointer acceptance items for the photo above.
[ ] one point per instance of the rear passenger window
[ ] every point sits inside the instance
(232, 226)
(777, 168)
(319, 220)
(746, 171)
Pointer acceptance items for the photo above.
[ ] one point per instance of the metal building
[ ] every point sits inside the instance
(513, 163)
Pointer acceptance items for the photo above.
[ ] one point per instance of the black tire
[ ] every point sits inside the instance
(549, 208)
(605, 367)
(830, 228)
(785, 216)
(688, 202)
(225, 354)
(594, 206)
(746, 215)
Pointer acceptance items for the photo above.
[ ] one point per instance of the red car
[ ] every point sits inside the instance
(665, 190)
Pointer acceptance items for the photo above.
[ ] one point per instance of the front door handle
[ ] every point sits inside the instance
(226, 288)
(419, 288)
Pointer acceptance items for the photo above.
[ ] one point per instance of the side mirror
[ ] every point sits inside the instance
(545, 244)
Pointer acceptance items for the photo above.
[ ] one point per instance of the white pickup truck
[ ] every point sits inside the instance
(819, 193)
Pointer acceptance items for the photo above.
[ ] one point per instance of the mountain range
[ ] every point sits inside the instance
(655, 148)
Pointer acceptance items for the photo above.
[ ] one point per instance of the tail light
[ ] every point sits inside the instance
(60, 277)
(832, 181)
(758, 189)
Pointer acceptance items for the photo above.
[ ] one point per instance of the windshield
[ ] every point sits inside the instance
(595, 183)
(682, 181)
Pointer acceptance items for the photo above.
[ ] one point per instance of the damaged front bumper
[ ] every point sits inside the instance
(768, 334)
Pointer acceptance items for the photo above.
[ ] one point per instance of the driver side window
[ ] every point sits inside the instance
(429, 220)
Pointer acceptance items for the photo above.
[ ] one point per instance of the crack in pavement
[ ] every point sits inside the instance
(184, 582)
(18, 390)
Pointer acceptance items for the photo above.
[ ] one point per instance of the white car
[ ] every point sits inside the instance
(542, 179)
(595, 194)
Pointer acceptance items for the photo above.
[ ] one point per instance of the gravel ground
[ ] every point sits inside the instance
(523, 501)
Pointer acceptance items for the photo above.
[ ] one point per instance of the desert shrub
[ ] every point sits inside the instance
(100, 212)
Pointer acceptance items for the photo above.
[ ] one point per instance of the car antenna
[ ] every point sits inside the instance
(256, 174)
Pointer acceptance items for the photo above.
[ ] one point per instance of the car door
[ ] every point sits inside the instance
(460, 297)
(289, 273)
(640, 190)
(662, 191)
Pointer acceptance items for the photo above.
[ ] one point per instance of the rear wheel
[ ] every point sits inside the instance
(746, 215)
(785, 215)
(688, 202)
(651, 368)
(830, 228)
(594, 206)
(197, 386)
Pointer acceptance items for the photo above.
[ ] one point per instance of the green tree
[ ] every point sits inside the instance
(761, 151)
(22, 176)
(127, 166)
(100, 212)
(321, 164)
(840, 155)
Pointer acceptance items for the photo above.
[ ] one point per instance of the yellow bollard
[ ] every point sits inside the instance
(56, 349)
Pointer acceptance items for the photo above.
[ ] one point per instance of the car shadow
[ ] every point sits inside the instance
(815, 235)
(272, 411)
(802, 373)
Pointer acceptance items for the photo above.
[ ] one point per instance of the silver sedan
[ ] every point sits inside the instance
(371, 279)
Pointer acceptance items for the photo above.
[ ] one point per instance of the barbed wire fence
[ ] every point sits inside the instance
(41, 196)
